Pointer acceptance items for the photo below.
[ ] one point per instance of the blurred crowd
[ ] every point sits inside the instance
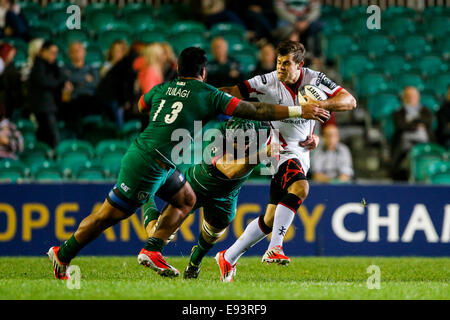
(51, 94)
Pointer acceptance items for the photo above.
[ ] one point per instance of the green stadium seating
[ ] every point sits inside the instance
(73, 145)
(43, 30)
(187, 40)
(439, 84)
(35, 152)
(382, 105)
(89, 171)
(430, 65)
(72, 162)
(101, 21)
(413, 45)
(369, 84)
(136, 8)
(423, 156)
(221, 29)
(439, 172)
(20, 59)
(18, 43)
(131, 129)
(49, 176)
(12, 170)
(149, 37)
(376, 45)
(106, 38)
(94, 57)
(111, 163)
(339, 45)
(358, 27)
(69, 36)
(182, 27)
(433, 11)
(332, 25)
(247, 63)
(330, 11)
(393, 12)
(57, 20)
(354, 12)
(354, 64)
(429, 101)
(105, 7)
(399, 27)
(408, 79)
(442, 46)
(171, 12)
(140, 22)
(438, 27)
(111, 146)
(391, 64)
(46, 170)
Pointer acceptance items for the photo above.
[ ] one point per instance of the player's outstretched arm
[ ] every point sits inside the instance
(267, 111)
(343, 101)
(234, 91)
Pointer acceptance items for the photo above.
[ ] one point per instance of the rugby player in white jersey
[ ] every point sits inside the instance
(289, 187)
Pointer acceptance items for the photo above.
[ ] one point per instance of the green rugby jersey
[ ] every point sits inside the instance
(176, 105)
(207, 178)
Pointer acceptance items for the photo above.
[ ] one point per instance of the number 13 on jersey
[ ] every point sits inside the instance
(169, 118)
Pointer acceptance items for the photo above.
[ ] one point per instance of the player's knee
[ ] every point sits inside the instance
(210, 233)
(300, 189)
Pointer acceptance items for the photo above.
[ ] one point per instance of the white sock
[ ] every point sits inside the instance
(251, 236)
(281, 223)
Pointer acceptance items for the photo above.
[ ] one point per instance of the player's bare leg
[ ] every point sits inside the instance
(281, 220)
(89, 229)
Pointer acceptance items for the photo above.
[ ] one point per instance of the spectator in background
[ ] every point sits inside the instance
(11, 96)
(332, 161)
(150, 67)
(301, 19)
(116, 89)
(223, 70)
(169, 61)
(215, 11)
(443, 117)
(412, 125)
(79, 92)
(12, 21)
(11, 140)
(259, 18)
(34, 46)
(116, 52)
(45, 84)
(267, 60)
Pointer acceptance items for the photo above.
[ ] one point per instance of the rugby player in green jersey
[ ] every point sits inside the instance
(177, 104)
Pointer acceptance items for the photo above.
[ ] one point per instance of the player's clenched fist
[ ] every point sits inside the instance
(312, 110)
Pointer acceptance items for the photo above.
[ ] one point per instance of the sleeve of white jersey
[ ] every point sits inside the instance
(330, 87)
(259, 84)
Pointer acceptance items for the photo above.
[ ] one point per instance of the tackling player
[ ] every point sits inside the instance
(289, 187)
(147, 163)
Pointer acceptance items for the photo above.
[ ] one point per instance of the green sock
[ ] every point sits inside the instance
(151, 212)
(154, 244)
(200, 251)
(69, 249)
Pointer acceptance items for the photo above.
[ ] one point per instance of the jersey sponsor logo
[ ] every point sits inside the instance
(181, 83)
(325, 81)
(263, 78)
(178, 92)
(295, 121)
(125, 187)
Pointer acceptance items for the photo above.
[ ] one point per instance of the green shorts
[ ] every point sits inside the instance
(140, 177)
(219, 209)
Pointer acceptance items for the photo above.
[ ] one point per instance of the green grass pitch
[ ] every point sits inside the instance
(304, 278)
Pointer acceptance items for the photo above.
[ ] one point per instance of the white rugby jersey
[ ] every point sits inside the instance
(267, 88)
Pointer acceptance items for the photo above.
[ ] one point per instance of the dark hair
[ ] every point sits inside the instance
(47, 44)
(191, 62)
(296, 48)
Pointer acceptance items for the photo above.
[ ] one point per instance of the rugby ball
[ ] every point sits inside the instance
(311, 91)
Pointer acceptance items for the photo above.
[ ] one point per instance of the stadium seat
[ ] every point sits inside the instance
(69, 36)
(391, 64)
(382, 105)
(57, 20)
(101, 21)
(429, 101)
(77, 146)
(46, 170)
(330, 11)
(171, 12)
(108, 146)
(12, 170)
(376, 45)
(439, 173)
(89, 171)
(331, 25)
(149, 37)
(221, 29)
(423, 156)
(111, 163)
(20, 59)
(182, 27)
(413, 46)
(140, 22)
(438, 27)
(358, 27)
(247, 63)
(187, 40)
(354, 12)
(430, 65)
(393, 12)
(43, 30)
(131, 129)
(106, 7)
(136, 8)
(433, 11)
(369, 84)
(439, 84)
(339, 45)
(35, 152)
(354, 64)
(408, 79)
(94, 57)
(25, 125)
(399, 27)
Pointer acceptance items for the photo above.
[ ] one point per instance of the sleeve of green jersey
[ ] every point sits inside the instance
(146, 99)
(223, 102)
